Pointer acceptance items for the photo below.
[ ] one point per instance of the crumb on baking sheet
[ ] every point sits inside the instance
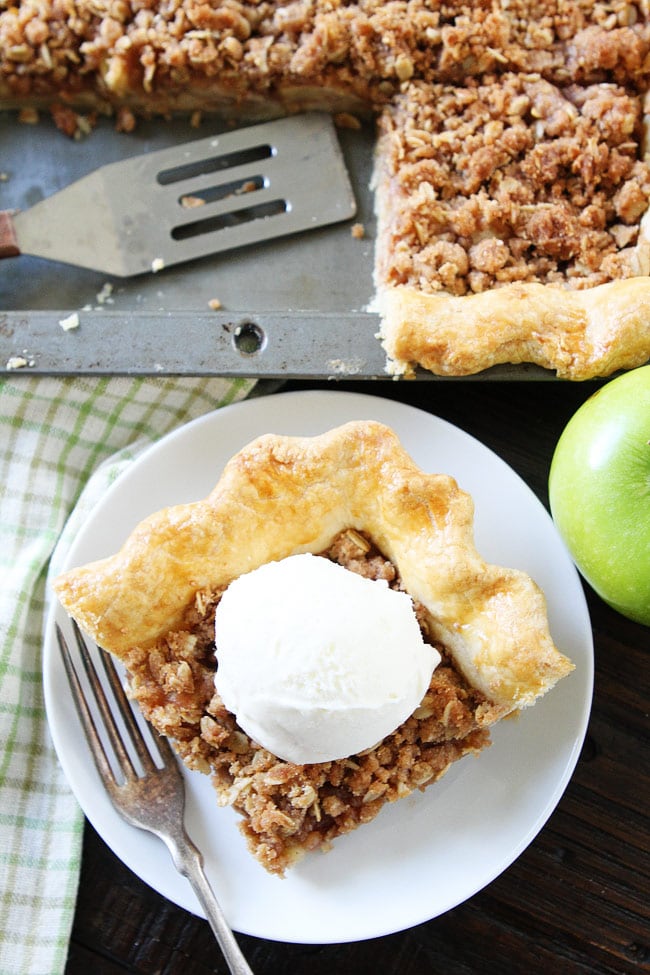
(214, 304)
(157, 264)
(190, 202)
(70, 322)
(29, 116)
(104, 296)
(19, 361)
(344, 367)
(125, 120)
(16, 362)
(71, 123)
(358, 231)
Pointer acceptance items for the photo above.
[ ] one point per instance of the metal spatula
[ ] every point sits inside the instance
(177, 204)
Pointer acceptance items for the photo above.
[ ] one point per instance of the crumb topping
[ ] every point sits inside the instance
(288, 809)
(511, 180)
(120, 47)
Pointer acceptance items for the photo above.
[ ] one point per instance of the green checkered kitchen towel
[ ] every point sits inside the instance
(62, 441)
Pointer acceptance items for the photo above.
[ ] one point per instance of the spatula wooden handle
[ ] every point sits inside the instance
(8, 240)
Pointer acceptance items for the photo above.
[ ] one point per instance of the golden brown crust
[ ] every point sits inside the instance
(284, 495)
(579, 334)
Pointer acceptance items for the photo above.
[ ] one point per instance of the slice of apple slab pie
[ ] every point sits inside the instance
(319, 634)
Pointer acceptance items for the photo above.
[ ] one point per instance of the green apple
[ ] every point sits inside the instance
(599, 491)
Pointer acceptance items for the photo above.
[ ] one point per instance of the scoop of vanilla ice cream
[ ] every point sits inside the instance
(316, 662)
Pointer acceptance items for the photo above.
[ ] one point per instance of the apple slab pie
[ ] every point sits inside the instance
(513, 169)
(353, 497)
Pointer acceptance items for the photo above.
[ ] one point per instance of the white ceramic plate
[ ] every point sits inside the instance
(428, 852)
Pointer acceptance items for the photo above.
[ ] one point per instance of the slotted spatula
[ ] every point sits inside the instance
(177, 204)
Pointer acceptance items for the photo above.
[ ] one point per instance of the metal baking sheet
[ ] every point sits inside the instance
(294, 307)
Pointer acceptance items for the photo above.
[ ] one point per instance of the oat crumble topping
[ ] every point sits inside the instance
(512, 179)
(121, 47)
(290, 809)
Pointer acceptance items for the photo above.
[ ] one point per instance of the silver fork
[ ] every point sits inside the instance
(154, 799)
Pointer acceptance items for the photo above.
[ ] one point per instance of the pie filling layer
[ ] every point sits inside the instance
(289, 809)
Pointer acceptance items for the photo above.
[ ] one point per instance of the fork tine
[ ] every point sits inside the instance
(85, 715)
(122, 702)
(124, 759)
(162, 744)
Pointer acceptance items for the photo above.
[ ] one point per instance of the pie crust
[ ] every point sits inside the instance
(579, 334)
(568, 254)
(352, 495)
(281, 496)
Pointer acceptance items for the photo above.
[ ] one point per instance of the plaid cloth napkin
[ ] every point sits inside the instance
(62, 441)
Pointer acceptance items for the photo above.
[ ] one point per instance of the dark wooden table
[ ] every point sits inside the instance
(576, 901)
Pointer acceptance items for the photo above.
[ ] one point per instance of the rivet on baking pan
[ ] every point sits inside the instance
(248, 338)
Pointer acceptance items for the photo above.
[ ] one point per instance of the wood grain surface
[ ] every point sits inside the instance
(576, 901)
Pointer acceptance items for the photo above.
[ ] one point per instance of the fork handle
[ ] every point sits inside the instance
(189, 862)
